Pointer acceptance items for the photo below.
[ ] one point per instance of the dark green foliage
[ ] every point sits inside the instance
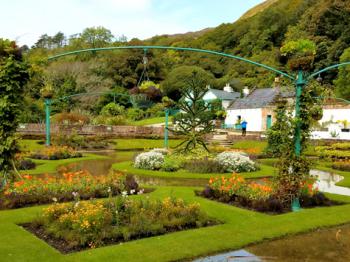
(177, 80)
(278, 136)
(13, 76)
(204, 166)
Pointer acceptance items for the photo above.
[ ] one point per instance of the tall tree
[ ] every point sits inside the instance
(97, 36)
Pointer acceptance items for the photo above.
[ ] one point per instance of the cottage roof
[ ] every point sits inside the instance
(260, 98)
(223, 95)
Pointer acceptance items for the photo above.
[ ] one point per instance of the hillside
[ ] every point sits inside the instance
(257, 9)
(258, 36)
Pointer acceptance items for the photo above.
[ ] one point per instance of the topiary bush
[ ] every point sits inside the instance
(235, 162)
(149, 160)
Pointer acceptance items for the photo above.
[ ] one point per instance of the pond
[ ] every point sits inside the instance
(331, 244)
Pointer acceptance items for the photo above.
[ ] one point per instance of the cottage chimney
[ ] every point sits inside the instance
(228, 88)
(246, 91)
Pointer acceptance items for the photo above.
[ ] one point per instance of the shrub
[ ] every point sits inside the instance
(112, 109)
(235, 162)
(149, 160)
(135, 114)
(163, 151)
(71, 118)
(83, 142)
(204, 165)
(92, 224)
(56, 153)
(35, 190)
(171, 165)
(109, 120)
(26, 164)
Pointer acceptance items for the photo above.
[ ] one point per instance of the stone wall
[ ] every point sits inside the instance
(113, 131)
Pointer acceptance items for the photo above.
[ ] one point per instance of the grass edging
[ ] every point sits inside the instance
(127, 167)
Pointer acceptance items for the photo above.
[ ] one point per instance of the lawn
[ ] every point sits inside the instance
(127, 167)
(241, 227)
(31, 144)
(140, 144)
(50, 166)
(257, 145)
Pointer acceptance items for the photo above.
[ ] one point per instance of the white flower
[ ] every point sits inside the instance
(109, 190)
(124, 194)
(235, 162)
(54, 199)
(141, 192)
(149, 160)
(76, 204)
(132, 191)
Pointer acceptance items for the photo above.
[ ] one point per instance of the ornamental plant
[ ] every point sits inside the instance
(13, 77)
(149, 160)
(33, 190)
(92, 224)
(235, 162)
(56, 153)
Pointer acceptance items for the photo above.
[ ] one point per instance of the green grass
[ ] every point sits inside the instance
(258, 145)
(241, 227)
(140, 144)
(150, 121)
(127, 167)
(50, 166)
(30, 145)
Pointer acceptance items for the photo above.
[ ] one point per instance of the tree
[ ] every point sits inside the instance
(97, 36)
(195, 119)
(13, 76)
(178, 80)
(342, 83)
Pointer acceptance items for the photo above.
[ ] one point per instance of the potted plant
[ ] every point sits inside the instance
(345, 126)
(47, 91)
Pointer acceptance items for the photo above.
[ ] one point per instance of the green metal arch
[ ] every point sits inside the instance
(327, 69)
(173, 48)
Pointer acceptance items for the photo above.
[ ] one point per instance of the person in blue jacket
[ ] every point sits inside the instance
(244, 127)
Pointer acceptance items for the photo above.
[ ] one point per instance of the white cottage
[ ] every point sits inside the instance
(227, 96)
(256, 108)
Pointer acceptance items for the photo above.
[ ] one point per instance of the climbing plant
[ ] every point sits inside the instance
(13, 76)
(293, 170)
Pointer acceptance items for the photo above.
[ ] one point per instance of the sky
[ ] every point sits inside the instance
(25, 20)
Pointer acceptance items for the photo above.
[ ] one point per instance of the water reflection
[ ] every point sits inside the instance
(326, 182)
(332, 244)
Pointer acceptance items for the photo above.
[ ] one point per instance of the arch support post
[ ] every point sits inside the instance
(47, 121)
(166, 131)
(300, 84)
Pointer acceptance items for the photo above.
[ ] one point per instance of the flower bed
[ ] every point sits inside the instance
(196, 162)
(35, 190)
(75, 226)
(260, 196)
(56, 153)
(235, 162)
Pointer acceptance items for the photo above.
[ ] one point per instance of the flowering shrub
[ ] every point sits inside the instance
(236, 185)
(35, 190)
(92, 224)
(56, 153)
(149, 160)
(261, 196)
(163, 151)
(235, 162)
